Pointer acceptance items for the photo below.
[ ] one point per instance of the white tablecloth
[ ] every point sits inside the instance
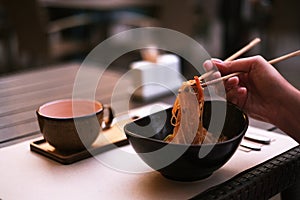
(28, 175)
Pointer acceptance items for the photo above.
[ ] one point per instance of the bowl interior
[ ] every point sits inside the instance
(218, 116)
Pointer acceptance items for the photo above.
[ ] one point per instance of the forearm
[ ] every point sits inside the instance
(288, 108)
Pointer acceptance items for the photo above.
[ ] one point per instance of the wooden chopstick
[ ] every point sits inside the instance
(276, 60)
(244, 49)
(207, 74)
(234, 56)
(217, 80)
(284, 57)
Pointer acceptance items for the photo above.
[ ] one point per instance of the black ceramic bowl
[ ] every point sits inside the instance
(181, 161)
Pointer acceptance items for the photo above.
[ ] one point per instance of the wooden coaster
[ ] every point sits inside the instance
(107, 140)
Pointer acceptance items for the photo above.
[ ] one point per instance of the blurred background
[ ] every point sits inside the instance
(37, 33)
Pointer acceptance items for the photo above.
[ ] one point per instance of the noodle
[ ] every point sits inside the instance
(183, 132)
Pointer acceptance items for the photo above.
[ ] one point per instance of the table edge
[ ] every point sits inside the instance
(261, 181)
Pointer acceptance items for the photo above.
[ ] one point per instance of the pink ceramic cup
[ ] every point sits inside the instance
(73, 124)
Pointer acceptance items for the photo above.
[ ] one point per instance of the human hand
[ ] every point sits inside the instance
(258, 90)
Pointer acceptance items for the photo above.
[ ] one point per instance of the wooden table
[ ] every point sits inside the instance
(21, 94)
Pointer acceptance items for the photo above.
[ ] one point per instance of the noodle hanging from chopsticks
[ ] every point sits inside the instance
(182, 132)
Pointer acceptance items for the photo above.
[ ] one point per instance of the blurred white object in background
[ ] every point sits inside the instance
(153, 79)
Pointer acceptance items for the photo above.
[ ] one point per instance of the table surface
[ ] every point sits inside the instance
(20, 96)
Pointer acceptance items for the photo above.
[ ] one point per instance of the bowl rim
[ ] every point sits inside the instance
(243, 131)
(70, 118)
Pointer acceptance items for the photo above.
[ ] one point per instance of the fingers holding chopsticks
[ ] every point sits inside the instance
(251, 83)
(213, 77)
(229, 67)
(218, 75)
(224, 86)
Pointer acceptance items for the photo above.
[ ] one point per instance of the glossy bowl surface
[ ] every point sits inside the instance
(185, 162)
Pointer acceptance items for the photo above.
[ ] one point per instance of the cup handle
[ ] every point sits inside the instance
(107, 120)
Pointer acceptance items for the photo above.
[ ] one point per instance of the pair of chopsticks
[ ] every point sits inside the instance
(237, 54)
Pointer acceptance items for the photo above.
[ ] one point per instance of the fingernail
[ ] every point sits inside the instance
(208, 65)
(216, 60)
